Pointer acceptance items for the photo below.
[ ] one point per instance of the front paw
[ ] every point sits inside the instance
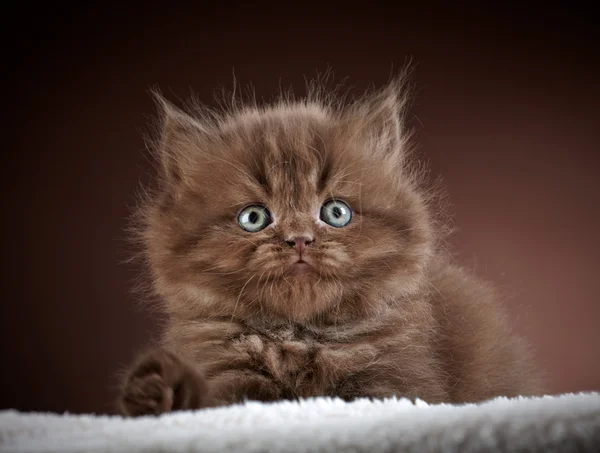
(161, 382)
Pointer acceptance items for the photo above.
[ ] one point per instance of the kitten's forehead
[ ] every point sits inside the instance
(292, 156)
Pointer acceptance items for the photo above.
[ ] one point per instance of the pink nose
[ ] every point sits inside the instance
(299, 243)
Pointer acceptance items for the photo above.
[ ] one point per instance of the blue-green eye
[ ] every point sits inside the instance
(254, 218)
(336, 213)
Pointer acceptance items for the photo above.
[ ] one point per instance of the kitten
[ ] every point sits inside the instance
(297, 253)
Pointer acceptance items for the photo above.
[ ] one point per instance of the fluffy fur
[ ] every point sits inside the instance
(381, 309)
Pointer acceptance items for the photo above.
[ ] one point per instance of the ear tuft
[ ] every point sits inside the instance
(180, 137)
(381, 113)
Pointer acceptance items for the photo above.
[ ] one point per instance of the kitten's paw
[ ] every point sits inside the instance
(161, 382)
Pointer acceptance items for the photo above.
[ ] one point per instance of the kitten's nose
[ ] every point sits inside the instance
(299, 243)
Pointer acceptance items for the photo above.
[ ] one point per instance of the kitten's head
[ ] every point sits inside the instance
(294, 210)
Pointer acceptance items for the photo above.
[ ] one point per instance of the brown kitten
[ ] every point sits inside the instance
(296, 252)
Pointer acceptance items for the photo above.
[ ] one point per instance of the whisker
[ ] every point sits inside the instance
(239, 296)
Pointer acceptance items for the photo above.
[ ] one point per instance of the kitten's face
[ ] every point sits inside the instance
(290, 213)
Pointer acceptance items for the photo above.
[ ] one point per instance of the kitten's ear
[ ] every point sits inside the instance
(381, 115)
(180, 139)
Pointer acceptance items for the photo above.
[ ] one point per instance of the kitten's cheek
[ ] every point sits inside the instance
(337, 258)
(227, 260)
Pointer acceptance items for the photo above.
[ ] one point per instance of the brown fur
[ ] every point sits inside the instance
(383, 311)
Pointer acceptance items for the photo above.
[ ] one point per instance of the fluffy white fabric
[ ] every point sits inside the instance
(569, 423)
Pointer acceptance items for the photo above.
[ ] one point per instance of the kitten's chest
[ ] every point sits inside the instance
(284, 333)
(290, 340)
(284, 351)
(297, 356)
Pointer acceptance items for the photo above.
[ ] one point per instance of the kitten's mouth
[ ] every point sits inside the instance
(300, 267)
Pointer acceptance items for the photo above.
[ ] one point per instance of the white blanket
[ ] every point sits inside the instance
(566, 423)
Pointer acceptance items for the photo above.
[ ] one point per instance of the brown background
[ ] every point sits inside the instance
(507, 111)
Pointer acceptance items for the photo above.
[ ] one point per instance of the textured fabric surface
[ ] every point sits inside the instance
(565, 423)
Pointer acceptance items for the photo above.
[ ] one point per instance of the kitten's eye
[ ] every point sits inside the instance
(254, 218)
(336, 213)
